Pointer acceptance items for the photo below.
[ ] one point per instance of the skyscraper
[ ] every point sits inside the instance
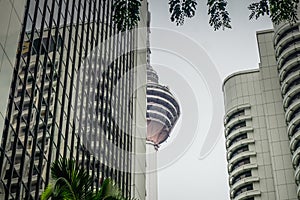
(262, 120)
(64, 95)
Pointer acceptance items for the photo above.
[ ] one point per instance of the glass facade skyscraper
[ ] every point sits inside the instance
(68, 97)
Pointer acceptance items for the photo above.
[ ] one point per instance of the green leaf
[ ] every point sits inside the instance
(47, 193)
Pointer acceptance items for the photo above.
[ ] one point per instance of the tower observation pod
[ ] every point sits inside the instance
(162, 110)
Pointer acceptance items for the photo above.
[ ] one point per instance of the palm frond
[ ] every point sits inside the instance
(67, 172)
(48, 192)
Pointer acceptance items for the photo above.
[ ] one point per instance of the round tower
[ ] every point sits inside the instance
(162, 109)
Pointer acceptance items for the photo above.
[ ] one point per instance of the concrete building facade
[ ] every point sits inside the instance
(262, 120)
(64, 95)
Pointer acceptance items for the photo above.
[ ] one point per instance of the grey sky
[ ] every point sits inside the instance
(228, 51)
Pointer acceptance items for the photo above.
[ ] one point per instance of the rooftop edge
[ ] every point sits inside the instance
(237, 74)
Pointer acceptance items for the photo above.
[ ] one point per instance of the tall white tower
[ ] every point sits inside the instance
(162, 114)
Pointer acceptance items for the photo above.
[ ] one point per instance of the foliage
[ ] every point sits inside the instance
(181, 9)
(126, 12)
(219, 16)
(277, 10)
(70, 182)
(109, 191)
(73, 183)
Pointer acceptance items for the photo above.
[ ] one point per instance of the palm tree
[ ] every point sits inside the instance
(70, 182)
(109, 191)
(73, 183)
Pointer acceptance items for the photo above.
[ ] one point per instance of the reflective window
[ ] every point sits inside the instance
(56, 41)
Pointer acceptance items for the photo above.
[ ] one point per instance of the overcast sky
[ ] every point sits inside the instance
(183, 175)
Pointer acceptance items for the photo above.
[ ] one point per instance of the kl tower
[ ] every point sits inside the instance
(162, 114)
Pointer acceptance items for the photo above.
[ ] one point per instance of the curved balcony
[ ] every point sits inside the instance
(237, 120)
(287, 66)
(163, 92)
(297, 175)
(298, 191)
(282, 29)
(160, 117)
(161, 101)
(160, 108)
(295, 121)
(155, 108)
(285, 40)
(293, 141)
(238, 144)
(290, 94)
(236, 125)
(233, 110)
(239, 157)
(242, 169)
(290, 110)
(243, 182)
(288, 51)
(295, 157)
(288, 80)
(236, 132)
(248, 194)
